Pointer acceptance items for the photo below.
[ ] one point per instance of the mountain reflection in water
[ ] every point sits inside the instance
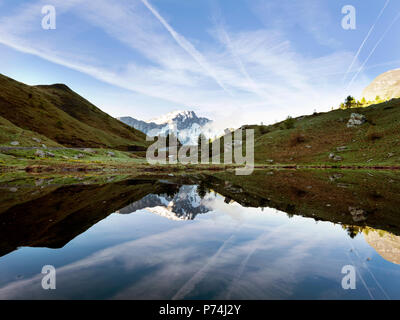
(272, 235)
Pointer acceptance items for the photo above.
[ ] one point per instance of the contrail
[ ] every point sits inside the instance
(373, 50)
(365, 40)
(187, 46)
(199, 275)
(370, 272)
(240, 64)
(362, 279)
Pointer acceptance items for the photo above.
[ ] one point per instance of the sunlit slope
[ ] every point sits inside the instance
(62, 115)
(324, 138)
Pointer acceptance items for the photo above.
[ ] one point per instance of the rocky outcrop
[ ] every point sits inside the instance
(386, 86)
(355, 120)
(387, 245)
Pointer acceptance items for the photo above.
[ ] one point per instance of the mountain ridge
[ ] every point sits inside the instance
(185, 124)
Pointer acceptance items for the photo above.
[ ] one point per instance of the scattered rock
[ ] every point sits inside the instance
(79, 156)
(270, 161)
(14, 143)
(39, 153)
(37, 140)
(357, 214)
(335, 157)
(335, 176)
(64, 157)
(390, 154)
(111, 154)
(355, 120)
(89, 150)
(343, 185)
(44, 146)
(13, 189)
(340, 149)
(49, 154)
(308, 147)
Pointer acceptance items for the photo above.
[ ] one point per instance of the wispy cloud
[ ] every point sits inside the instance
(254, 73)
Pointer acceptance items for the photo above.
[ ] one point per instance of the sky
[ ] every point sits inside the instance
(235, 62)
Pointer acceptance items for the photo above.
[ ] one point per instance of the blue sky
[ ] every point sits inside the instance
(237, 62)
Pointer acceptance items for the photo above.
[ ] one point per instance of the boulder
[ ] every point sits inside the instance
(40, 153)
(357, 214)
(79, 156)
(355, 120)
(14, 143)
(340, 149)
(336, 176)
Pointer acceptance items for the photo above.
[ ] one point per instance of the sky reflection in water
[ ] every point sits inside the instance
(229, 252)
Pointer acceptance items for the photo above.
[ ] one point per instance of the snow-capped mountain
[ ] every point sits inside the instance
(186, 125)
(184, 205)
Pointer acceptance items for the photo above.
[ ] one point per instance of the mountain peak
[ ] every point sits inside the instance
(186, 124)
(174, 115)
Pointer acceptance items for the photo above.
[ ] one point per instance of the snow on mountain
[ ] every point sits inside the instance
(186, 125)
(184, 205)
(173, 116)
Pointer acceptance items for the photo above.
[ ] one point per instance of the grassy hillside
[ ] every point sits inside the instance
(63, 116)
(311, 139)
(10, 132)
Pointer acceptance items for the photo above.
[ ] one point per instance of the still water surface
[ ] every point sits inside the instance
(196, 244)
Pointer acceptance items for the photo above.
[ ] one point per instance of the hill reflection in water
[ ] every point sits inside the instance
(292, 229)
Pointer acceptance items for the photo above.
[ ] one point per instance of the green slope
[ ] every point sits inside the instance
(10, 132)
(62, 115)
(311, 139)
